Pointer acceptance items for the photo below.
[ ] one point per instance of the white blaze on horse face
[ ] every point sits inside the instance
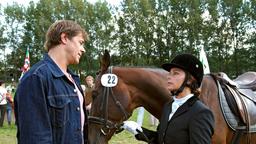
(109, 80)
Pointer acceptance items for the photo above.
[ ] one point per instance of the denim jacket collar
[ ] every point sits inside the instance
(54, 68)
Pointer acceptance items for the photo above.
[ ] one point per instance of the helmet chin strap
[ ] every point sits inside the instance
(177, 92)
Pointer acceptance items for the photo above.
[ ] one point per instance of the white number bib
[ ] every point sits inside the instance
(109, 80)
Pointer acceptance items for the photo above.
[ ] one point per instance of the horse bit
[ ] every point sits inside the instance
(103, 119)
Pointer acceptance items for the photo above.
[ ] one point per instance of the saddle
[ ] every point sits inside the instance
(240, 96)
(246, 81)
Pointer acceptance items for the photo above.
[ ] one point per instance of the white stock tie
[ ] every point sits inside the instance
(175, 106)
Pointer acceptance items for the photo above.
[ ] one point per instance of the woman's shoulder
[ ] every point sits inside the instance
(201, 107)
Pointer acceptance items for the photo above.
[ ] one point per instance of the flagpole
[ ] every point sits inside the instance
(204, 61)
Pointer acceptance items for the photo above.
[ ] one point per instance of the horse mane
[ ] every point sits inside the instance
(150, 68)
(105, 61)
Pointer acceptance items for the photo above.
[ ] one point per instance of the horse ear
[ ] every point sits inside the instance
(105, 61)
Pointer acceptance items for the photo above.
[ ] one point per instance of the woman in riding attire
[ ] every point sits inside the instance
(185, 119)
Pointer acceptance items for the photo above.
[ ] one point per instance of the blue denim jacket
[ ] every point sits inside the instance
(47, 107)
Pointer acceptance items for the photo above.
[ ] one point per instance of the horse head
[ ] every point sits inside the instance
(108, 111)
(118, 91)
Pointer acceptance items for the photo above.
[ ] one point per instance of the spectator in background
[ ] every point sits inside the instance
(9, 106)
(3, 102)
(89, 81)
(89, 85)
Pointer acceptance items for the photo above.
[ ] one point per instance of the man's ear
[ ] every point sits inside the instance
(63, 38)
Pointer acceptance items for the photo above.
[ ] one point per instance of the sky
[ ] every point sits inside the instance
(26, 2)
(10, 2)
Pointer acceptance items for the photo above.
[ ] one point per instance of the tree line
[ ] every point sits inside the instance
(138, 32)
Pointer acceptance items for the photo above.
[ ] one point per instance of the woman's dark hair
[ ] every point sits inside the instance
(193, 85)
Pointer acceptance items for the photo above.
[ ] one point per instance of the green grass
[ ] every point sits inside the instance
(8, 133)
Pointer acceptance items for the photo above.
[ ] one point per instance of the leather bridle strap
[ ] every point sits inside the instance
(103, 120)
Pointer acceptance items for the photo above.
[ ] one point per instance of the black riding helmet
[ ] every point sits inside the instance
(188, 63)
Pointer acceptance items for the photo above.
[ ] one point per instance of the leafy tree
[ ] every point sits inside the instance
(29, 25)
(139, 32)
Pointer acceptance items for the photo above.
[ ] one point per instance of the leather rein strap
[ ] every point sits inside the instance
(103, 119)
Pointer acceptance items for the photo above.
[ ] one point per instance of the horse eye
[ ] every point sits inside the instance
(98, 72)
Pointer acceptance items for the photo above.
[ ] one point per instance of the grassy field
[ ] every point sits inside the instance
(8, 133)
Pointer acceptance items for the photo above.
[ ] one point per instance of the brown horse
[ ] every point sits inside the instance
(144, 87)
(111, 106)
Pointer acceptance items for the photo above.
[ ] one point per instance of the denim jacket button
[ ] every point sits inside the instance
(75, 90)
(78, 108)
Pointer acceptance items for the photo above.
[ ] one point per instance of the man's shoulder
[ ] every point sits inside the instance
(39, 67)
(42, 65)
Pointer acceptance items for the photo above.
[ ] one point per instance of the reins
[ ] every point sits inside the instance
(103, 119)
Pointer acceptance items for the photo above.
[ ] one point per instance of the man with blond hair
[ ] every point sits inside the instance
(49, 102)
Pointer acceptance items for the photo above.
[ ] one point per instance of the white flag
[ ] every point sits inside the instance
(204, 61)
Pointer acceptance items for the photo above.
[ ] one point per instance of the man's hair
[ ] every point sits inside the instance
(70, 28)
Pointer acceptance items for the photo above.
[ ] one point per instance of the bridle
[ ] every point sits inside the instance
(103, 119)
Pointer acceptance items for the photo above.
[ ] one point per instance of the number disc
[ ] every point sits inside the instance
(109, 80)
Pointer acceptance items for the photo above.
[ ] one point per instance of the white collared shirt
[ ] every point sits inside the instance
(177, 103)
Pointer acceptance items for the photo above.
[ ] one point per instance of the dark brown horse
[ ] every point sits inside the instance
(144, 87)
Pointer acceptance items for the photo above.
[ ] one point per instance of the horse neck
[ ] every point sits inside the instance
(147, 88)
(209, 93)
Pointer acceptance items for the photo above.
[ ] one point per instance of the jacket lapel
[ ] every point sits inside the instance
(166, 114)
(164, 120)
(185, 107)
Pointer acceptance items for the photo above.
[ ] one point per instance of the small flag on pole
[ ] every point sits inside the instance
(26, 65)
(204, 61)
